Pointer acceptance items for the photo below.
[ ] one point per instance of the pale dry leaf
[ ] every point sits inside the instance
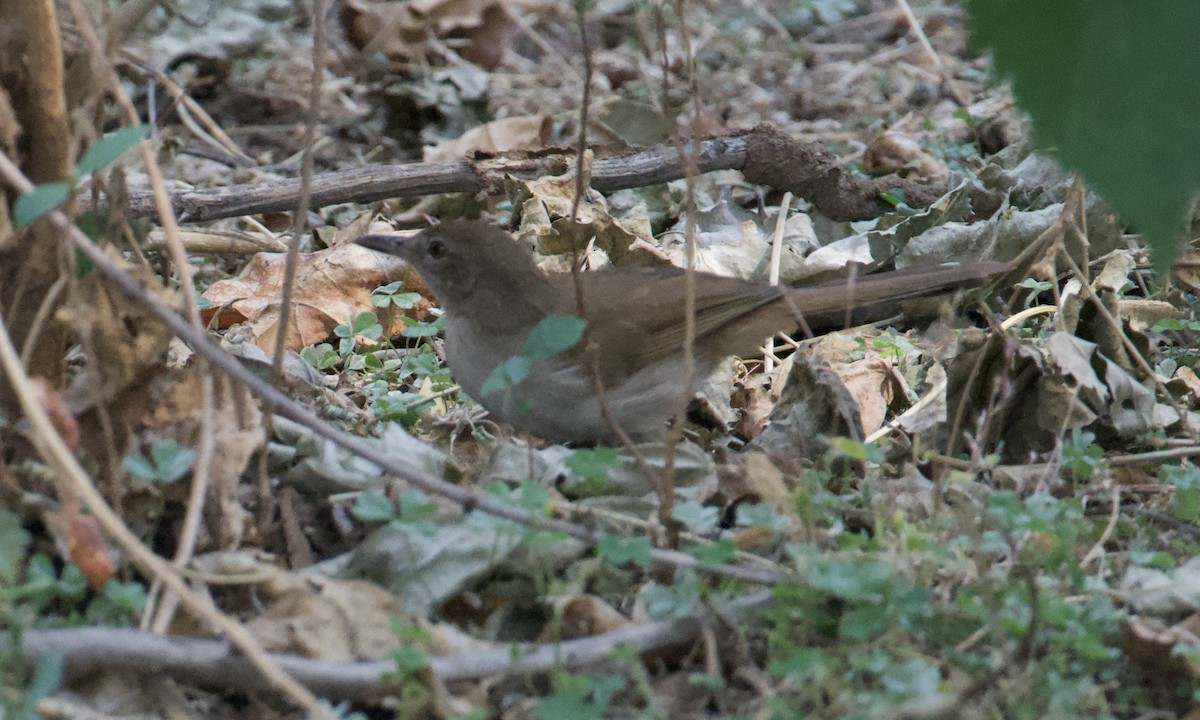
(1162, 649)
(1074, 358)
(1145, 314)
(1115, 273)
(758, 480)
(324, 619)
(583, 616)
(892, 152)
(498, 136)
(546, 223)
(331, 288)
(481, 31)
(124, 342)
(237, 434)
(1163, 594)
(1185, 382)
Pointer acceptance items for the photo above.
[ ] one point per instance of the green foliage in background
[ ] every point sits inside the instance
(1114, 88)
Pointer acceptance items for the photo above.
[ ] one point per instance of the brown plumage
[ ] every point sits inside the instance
(493, 294)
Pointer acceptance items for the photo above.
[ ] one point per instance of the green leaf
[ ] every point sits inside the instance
(675, 601)
(619, 550)
(713, 554)
(373, 506)
(415, 506)
(127, 596)
(1114, 87)
(409, 659)
(39, 201)
(46, 678)
(592, 464)
(140, 466)
(799, 665)
(172, 459)
(365, 323)
(698, 518)
(14, 543)
(552, 335)
(864, 622)
(505, 375)
(109, 148)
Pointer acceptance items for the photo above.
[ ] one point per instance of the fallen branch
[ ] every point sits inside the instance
(215, 663)
(765, 155)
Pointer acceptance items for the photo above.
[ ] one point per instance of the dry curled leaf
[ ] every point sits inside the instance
(480, 30)
(895, 153)
(498, 136)
(584, 616)
(331, 288)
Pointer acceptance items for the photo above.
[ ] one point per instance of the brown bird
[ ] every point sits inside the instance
(494, 295)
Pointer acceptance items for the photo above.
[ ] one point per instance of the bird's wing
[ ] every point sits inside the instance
(636, 327)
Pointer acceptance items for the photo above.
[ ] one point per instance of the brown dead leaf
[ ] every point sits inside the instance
(1145, 314)
(895, 153)
(1150, 644)
(756, 479)
(332, 287)
(756, 536)
(237, 434)
(89, 551)
(481, 31)
(498, 136)
(1184, 382)
(812, 403)
(584, 616)
(869, 382)
(755, 398)
(124, 342)
(546, 205)
(1187, 272)
(329, 619)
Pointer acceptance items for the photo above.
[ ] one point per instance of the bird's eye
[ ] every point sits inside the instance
(437, 249)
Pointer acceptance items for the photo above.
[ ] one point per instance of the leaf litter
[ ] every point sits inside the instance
(928, 560)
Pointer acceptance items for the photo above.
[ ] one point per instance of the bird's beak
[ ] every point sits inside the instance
(391, 244)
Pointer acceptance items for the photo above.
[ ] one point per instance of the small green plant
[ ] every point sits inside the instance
(34, 591)
(1175, 325)
(365, 325)
(1081, 455)
(578, 697)
(676, 601)
(592, 464)
(168, 462)
(696, 517)
(1185, 505)
(386, 296)
(620, 550)
(415, 510)
(410, 676)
